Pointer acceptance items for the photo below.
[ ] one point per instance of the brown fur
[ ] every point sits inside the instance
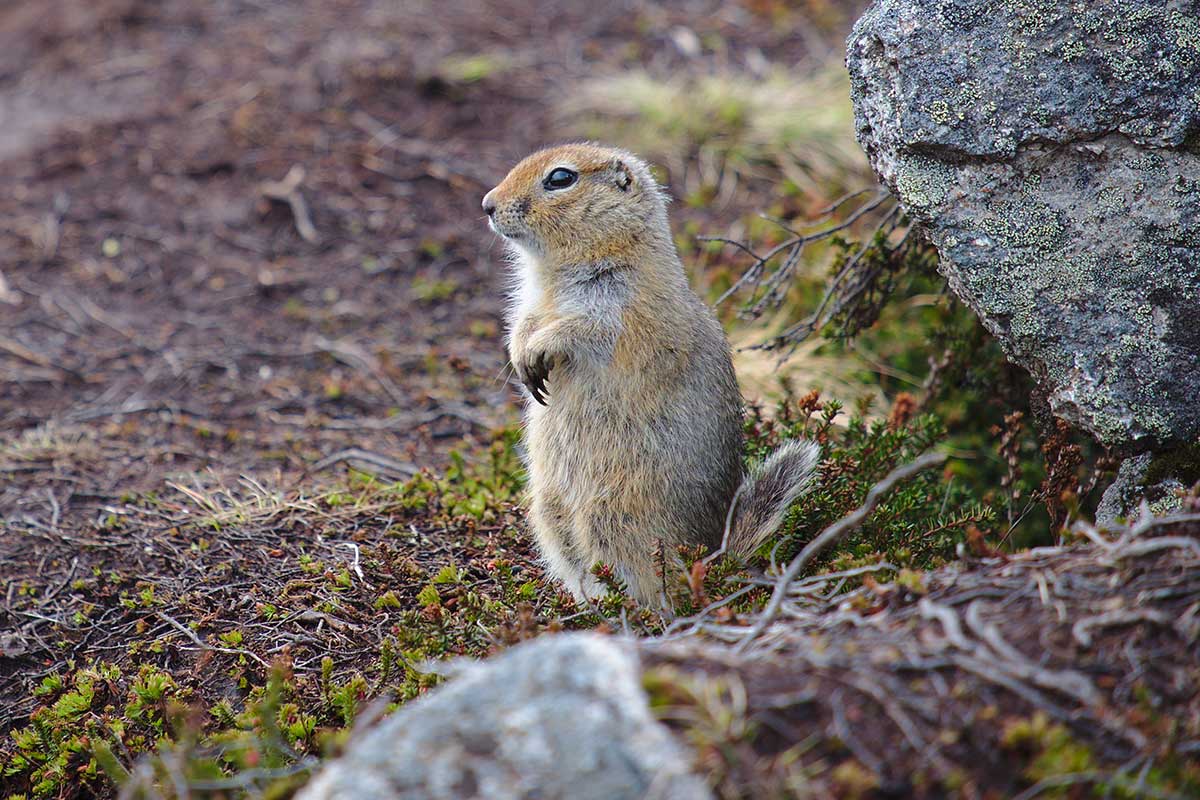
(640, 438)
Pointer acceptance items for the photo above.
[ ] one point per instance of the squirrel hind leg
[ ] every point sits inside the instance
(552, 532)
(769, 490)
(643, 584)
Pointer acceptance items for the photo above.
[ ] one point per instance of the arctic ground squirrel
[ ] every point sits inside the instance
(633, 418)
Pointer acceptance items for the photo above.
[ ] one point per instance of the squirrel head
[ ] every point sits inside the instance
(579, 203)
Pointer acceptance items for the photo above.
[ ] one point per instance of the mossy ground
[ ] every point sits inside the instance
(257, 624)
(295, 605)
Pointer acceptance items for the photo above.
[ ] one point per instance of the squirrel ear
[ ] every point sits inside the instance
(622, 174)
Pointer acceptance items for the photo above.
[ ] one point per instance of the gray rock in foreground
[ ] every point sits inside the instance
(560, 717)
(1050, 149)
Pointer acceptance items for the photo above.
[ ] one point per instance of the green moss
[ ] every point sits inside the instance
(473, 68)
(1052, 749)
(854, 780)
(1182, 464)
(433, 291)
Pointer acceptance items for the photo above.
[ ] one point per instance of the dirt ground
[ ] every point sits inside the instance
(162, 316)
(169, 317)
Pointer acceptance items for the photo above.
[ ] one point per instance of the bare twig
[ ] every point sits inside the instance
(22, 352)
(188, 632)
(354, 356)
(831, 535)
(288, 191)
(1094, 778)
(814, 321)
(7, 295)
(793, 244)
(720, 551)
(1082, 630)
(356, 456)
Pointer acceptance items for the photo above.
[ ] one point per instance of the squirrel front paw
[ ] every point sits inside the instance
(533, 367)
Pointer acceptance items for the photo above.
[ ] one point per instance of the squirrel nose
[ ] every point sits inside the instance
(489, 205)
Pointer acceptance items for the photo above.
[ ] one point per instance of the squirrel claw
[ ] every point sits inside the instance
(534, 378)
(536, 384)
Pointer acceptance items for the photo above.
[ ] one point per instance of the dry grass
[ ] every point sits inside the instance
(811, 366)
(45, 443)
(713, 130)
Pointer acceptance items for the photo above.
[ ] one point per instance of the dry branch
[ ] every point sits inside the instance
(830, 536)
(769, 276)
(7, 295)
(288, 191)
(237, 651)
(368, 461)
(974, 682)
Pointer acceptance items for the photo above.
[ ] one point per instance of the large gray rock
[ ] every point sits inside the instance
(1049, 148)
(560, 717)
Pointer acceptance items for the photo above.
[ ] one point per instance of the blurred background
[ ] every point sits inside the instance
(242, 235)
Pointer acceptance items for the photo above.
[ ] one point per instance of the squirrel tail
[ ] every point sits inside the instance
(768, 491)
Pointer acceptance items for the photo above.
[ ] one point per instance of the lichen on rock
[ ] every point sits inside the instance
(1050, 152)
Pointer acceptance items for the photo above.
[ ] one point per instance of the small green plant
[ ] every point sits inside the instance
(150, 691)
(917, 525)
(54, 750)
(434, 291)
(345, 699)
(479, 491)
(467, 69)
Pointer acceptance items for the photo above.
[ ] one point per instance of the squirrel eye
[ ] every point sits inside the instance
(560, 178)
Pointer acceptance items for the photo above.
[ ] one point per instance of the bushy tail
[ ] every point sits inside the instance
(768, 491)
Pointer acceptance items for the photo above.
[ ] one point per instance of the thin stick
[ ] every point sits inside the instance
(760, 261)
(357, 456)
(288, 191)
(728, 527)
(236, 651)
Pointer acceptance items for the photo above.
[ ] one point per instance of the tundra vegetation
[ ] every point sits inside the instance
(261, 469)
